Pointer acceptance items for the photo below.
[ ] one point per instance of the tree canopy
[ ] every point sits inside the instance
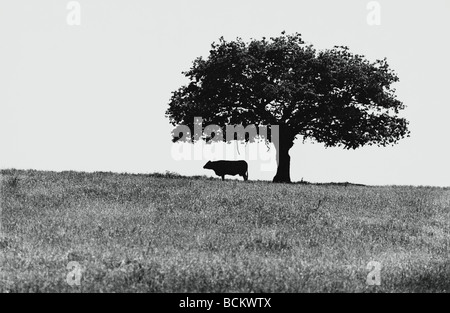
(332, 96)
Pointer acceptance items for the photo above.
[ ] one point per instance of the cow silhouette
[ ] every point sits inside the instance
(222, 168)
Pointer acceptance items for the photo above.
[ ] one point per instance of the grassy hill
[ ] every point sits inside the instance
(165, 233)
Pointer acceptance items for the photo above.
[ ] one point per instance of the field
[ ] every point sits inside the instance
(167, 233)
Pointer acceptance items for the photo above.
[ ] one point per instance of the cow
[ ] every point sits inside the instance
(222, 168)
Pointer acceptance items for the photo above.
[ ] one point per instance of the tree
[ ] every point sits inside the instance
(332, 96)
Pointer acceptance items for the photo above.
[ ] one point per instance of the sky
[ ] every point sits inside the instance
(92, 97)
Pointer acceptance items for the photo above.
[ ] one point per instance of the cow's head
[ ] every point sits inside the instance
(208, 165)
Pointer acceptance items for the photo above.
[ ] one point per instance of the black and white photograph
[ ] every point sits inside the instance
(224, 152)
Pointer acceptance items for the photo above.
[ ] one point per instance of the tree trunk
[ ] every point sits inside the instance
(283, 144)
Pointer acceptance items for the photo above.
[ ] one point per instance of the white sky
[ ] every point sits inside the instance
(92, 97)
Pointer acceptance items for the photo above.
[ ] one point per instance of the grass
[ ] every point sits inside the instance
(168, 233)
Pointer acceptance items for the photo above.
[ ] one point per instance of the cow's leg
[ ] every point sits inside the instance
(245, 175)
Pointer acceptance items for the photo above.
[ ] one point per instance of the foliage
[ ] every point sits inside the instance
(333, 96)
